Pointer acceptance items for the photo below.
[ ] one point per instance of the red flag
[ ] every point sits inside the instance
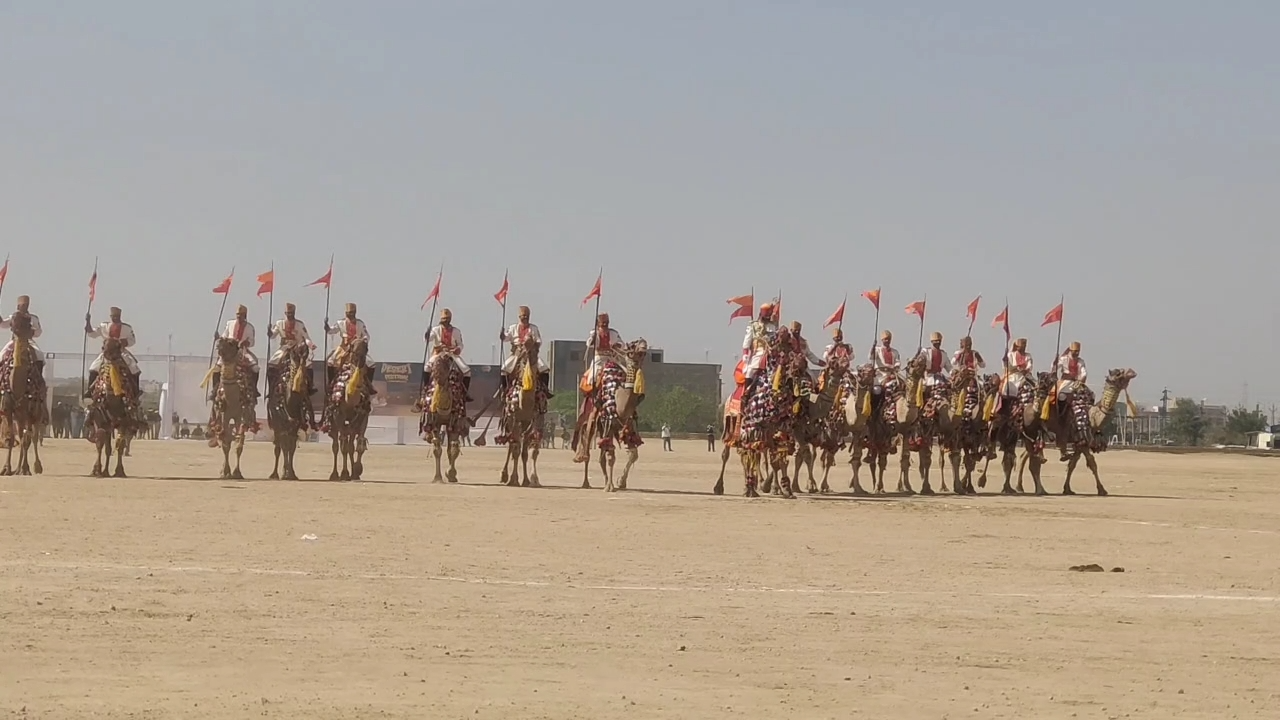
(501, 295)
(93, 286)
(1003, 319)
(1053, 316)
(222, 289)
(595, 291)
(435, 292)
(916, 308)
(837, 316)
(325, 279)
(4, 271)
(268, 282)
(972, 312)
(873, 296)
(746, 306)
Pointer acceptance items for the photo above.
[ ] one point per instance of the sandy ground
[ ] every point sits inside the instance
(170, 594)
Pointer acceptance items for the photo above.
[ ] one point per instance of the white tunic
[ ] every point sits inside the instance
(1018, 368)
(608, 349)
(937, 366)
(242, 331)
(808, 354)
(7, 323)
(290, 333)
(449, 340)
(755, 351)
(886, 362)
(967, 358)
(517, 334)
(837, 348)
(1074, 373)
(349, 330)
(122, 332)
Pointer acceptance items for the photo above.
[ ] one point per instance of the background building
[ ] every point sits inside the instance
(565, 360)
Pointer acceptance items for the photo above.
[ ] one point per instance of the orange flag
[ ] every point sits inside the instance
(267, 282)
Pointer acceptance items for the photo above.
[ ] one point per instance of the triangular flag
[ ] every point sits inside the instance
(746, 305)
(972, 312)
(916, 308)
(873, 296)
(501, 295)
(93, 286)
(1053, 316)
(224, 287)
(268, 282)
(435, 291)
(837, 316)
(325, 279)
(595, 291)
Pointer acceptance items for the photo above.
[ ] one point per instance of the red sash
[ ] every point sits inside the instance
(602, 339)
(522, 332)
(351, 329)
(935, 360)
(239, 332)
(114, 330)
(886, 355)
(446, 336)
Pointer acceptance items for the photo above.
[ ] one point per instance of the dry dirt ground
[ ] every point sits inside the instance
(171, 594)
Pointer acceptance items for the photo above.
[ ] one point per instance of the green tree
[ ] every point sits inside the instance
(683, 410)
(1241, 422)
(1186, 422)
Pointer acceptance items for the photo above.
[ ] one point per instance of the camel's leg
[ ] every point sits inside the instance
(780, 463)
(122, 443)
(1091, 461)
(38, 467)
(1022, 466)
(437, 452)
(1035, 463)
(24, 467)
(926, 468)
(804, 459)
(1007, 462)
(275, 470)
(348, 454)
(586, 472)
(828, 459)
(358, 446)
(97, 463)
(747, 457)
(225, 442)
(718, 488)
(633, 454)
(954, 457)
(8, 461)
(509, 468)
(452, 452)
(607, 459)
(521, 446)
(235, 473)
(532, 477)
(904, 470)
(290, 450)
(333, 476)
(855, 463)
(1072, 461)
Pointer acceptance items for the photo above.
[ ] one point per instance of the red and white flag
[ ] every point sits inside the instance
(916, 308)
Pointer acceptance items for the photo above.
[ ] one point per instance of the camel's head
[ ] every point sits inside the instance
(838, 365)
(1121, 377)
(962, 377)
(991, 383)
(1045, 382)
(111, 349)
(228, 350)
(866, 374)
(298, 354)
(915, 367)
(637, 350)
(21, 326)
(358, 352)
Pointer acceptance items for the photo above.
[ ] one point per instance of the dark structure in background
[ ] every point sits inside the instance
(398, 385)
(565, 360)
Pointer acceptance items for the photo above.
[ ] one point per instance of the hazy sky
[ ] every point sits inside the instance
(1125, 154)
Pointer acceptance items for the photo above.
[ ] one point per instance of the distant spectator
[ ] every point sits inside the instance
(711, 438)
(666, 437)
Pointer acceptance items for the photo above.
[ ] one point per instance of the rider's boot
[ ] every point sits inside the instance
(213, 385)
(368, 380)
(88, 389)
(257, 378)
(466, 386)
(503, 383)
(311, 379)
(137, 385)
(544, 380)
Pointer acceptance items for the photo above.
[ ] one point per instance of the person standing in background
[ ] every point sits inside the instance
(666, 437)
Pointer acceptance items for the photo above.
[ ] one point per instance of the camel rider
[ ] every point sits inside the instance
(116, 330)
(1017, 369)
(241, 330)
(605, 344)
(937, 366)
(838, 347)
(967, 357)
(291, 333)
(1072, 372)
(24, 303)
(350, 329)
(802, 345)
(446, 339)
(519, 333)
(887, 363)
(755, 345)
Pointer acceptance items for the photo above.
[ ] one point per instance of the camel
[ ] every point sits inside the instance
(289, 409)
(24, 413)
(1014, 422)
(857, 423)
(347, 412)
(966, 442)
(1075, 427)
(929, 418)
(764, 439)
(110, 419)
(524, 413)
(443, 407)
(234, 414)
(610, 414)
(820, 426)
